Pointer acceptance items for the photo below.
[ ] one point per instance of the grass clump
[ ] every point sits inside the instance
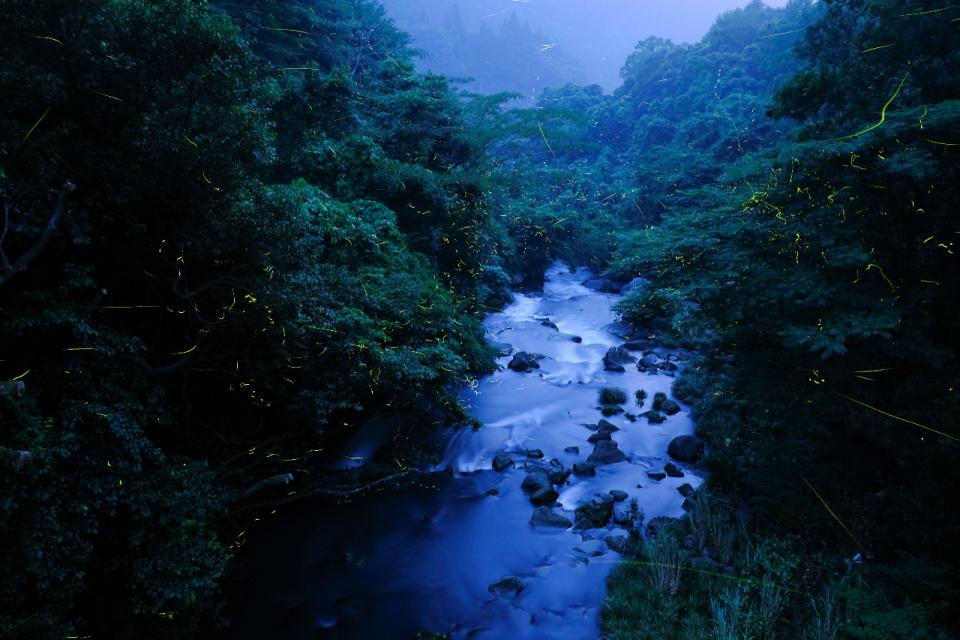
(641, 397)
(612, 395)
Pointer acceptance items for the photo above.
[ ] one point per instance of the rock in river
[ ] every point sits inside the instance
(619, 544)
(544, 496)
(507, 587)
(593, 516)
(654, 418)
(584, 469)
(606, 452)
(615, 359)
(598, 436)
(669, 407)
(535, 481)
(671, 470)
(523, 361)
(547, 517)
(618, 496)
(686, 448)
(502, 462)
(605, 426)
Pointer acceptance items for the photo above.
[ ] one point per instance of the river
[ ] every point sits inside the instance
(392, 564)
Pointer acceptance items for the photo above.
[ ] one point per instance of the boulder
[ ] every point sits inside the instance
(656, 475)
(576, 339)
(686, 490)
(615, 358)
(605, 426)
(502, 462)
(618, 496)
(547, 323)
(545, 496)
(657, 524)
(606, 452)
(605, 285)
(593, 516)
(536, 454)
(584, 469)
(610, 409)
(633, 285)
(654, 417)
(573, 450)
(686, 448)
(620, 544)
(560, 476)
(670, 407)
(669, 367)
(547, 517)
(535, 481)
(648, 363)
(671, 470)
(507, 587)
(501, 348)
(492, 492)
(523, 361)
(639, 344)
(598, 436)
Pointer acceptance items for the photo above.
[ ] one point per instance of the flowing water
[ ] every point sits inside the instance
(390, 565)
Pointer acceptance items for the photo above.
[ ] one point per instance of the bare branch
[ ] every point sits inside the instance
(31, 254)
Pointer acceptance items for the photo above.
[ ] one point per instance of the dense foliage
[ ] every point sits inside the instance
(233, 232)
(824, 268)
(270, 232)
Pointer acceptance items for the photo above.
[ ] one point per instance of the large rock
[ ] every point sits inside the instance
(633, 285)
(618, 496)
(507, 587)
(671, 470)
(544, 496)
(606, 452)
(605, 285)
(547, 323)
(640, 344)
(686, 448)
(593, 516)
(605, 426)
(620, 544)
(654, 417)
(615, 358)
(572, 449)
(660, 522)
(584, 469)
(523, 361)
(502, 462)
(535, 481)
(559, 476)
(670, 407)
(598, 437)
(686, 490)
(547, 517)
(502, 348)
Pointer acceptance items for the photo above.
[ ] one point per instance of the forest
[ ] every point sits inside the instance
(235, 235)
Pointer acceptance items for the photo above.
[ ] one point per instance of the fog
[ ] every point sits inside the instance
(523, 45)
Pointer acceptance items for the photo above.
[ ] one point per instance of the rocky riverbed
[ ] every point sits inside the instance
(537, 506)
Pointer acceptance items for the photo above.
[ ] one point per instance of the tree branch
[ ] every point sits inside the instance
(31, 254)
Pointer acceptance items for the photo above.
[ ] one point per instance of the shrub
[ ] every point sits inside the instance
(612, 395)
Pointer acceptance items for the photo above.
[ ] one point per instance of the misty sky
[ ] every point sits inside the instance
(599, 34)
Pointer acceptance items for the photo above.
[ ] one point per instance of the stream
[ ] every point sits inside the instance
(394, 563)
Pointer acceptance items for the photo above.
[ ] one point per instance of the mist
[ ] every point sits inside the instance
(525, 45)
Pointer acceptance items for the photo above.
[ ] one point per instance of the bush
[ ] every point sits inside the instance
(612, 395)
